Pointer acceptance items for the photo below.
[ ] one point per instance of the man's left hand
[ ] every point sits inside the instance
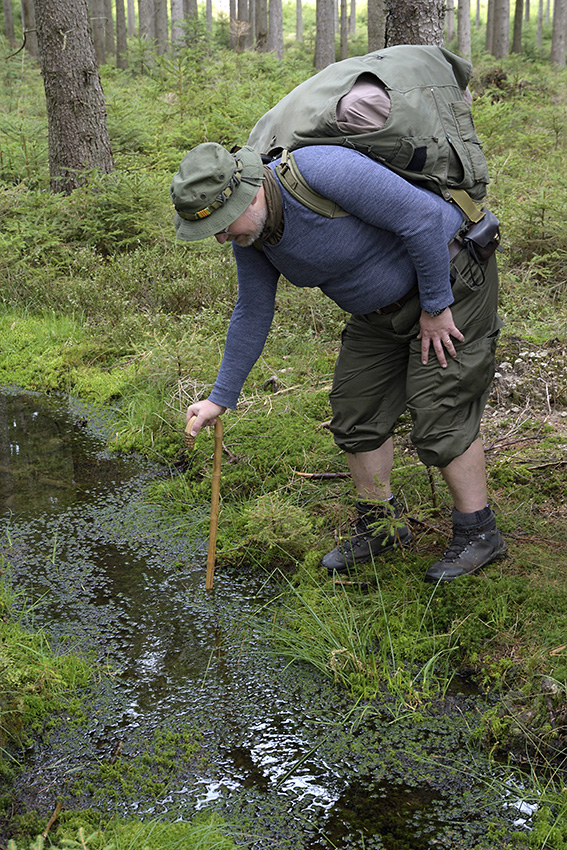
(439, 332)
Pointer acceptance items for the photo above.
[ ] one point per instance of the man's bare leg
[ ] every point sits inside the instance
(466, 479)
(376, 530)
(371, 472)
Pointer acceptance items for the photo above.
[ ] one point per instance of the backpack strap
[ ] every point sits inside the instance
(291, 179)
(464, 201)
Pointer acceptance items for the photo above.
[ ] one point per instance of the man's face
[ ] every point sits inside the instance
(247, 227)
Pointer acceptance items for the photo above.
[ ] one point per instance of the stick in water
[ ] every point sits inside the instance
(213, 525)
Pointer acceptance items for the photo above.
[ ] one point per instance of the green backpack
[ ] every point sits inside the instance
(428, 138)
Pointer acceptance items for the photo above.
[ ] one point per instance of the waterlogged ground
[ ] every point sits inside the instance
(189, 710)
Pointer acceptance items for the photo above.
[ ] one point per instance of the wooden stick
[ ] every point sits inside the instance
(217, 457)
(52, 820)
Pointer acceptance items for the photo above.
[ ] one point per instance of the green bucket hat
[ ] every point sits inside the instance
(213, 188)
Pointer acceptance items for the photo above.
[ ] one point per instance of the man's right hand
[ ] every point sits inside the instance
(206, 413)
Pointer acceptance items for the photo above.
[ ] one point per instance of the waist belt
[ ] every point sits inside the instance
(397, 305)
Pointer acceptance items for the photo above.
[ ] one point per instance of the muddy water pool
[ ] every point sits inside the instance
(189, 709)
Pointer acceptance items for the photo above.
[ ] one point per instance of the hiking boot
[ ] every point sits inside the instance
(375, 532)
(469, 551)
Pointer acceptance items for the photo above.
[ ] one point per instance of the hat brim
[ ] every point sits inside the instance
(239, 201)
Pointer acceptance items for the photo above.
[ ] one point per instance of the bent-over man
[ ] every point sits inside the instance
(421, 336)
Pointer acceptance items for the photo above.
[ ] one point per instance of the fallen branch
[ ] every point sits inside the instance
(52, 819)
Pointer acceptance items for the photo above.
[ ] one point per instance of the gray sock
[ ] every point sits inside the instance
(477, 519)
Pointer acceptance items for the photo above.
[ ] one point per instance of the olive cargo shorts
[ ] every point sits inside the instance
(379, 373)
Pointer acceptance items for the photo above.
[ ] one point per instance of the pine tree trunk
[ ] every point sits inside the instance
(109, 41)
(464, 28)
(501, 43)
(8, 22)
(518, 23)
(161, 26)
(131, 17)
(324, 34)
(242, 26)
(261, 26)
(344, 30)
(559, 33)
(29, 28)
(76, 111)
(450, 18)
(298, 21)
(376, 25)
(275, 28)
(415, 22)
(352, 19)
(121, 41)
(176, 12)
(489, 40)
(97, 16)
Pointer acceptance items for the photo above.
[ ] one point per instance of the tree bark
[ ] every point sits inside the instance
(131, 17)
(242, 26)
(299, 21)
(324, 34)
(232, 24)
(121, 40)
(97, 15)
(76, 111)
(261, 26)
(518, 23)
(415, 22)
(464, 28)
(161, 26)
(501, 43)
(176, 12)
(376, 25)
(343, 52)
(9, 22)
(29, 28)
(539, 36)
(489, 39)
(275, 28)
(352, 19)
(146, 21)
(559, 33)
(450, 18)
(109, 41)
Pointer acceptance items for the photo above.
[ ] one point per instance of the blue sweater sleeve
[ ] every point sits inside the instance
(249, 325)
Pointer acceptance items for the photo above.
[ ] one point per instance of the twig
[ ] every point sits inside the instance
(117, 752)
(433, 490)
(323, 474)
(52, 819)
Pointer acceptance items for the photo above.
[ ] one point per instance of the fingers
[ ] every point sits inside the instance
(441, 347)
(200, 414)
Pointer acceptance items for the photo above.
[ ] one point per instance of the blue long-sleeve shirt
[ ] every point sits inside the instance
(395, 237)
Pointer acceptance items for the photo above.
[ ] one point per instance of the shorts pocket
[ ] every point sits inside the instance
(466, 271)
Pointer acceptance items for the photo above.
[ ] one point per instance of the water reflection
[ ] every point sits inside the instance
(105, 572)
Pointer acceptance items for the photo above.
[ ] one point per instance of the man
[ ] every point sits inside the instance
(422, 333)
